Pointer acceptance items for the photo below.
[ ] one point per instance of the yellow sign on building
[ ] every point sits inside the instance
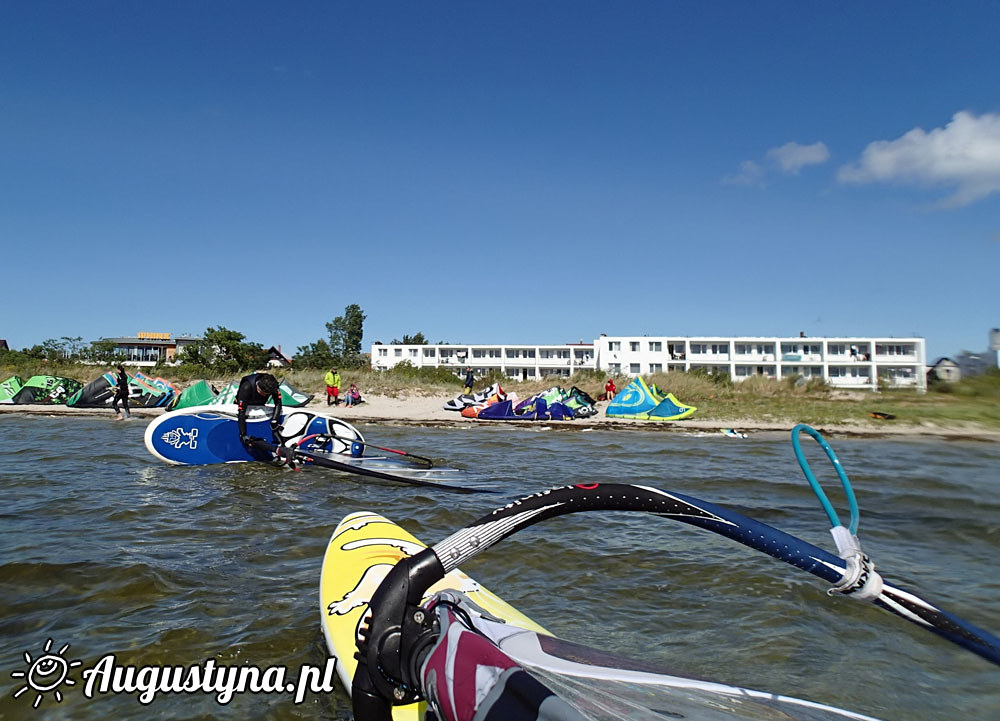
(153, 336)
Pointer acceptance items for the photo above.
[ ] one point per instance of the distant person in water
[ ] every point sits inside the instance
(470, 378)
(121, 394)
(609, 389)
(254, 390)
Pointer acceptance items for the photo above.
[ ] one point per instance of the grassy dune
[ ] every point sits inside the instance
(975, 400)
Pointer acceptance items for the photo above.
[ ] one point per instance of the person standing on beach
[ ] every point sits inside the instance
(332, 380)
(121, 394)
(254, 390)
(470, 378)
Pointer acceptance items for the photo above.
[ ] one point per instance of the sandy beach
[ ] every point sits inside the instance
(429, 411)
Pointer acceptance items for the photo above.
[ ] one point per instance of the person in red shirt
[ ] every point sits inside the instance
(609, 389)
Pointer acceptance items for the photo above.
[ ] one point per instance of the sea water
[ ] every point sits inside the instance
(114, 553)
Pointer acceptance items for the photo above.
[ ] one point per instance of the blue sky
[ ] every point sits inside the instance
(516, 172)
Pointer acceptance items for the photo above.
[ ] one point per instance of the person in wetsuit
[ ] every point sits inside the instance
(121, 394)
(254, 390)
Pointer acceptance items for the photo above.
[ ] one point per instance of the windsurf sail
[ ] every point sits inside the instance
(199, 393)
(465, 400)
(46, 390)
(150, 392)
(290, 397)
(551, 404)
(513, 669)
(641, 402)
(143, 392)
(411, 649)
(9, 388)
(96, 394)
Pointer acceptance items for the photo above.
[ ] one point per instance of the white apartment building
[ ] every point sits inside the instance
(848, 362)
(518, 362)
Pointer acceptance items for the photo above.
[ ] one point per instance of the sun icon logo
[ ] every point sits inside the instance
(46, 673)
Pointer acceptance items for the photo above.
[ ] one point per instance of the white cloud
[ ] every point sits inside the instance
(788, 158)
(750, 173)
(792, 157)
(965, 154)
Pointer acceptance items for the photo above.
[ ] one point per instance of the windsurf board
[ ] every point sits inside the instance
(209, 434)
(363, 549)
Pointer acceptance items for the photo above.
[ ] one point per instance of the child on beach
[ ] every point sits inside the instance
(353, 396)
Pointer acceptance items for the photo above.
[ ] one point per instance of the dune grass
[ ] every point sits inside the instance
(973, 400)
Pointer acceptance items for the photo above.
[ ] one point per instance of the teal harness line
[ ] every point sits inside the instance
(817, 489)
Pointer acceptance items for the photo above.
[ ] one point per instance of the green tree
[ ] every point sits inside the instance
(346, 332)
(415, 339)
(315, 355)
(101, 351)
(72, 347)
(36, 352)
(225, 351)
(53, 349)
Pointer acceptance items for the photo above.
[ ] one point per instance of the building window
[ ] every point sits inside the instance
(614, 345)
(633, 368)
(398, 352)
(428, 352)
(699, 347)
(615, 367)
(655, 367)
(633, 346)
(656, 346)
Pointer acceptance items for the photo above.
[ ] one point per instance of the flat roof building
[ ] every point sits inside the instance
(842, 362)
(149, 348)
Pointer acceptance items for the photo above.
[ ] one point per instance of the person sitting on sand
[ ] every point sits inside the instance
(353, 396)
(609, 389)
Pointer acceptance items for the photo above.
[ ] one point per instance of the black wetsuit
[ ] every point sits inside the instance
(121, 394)
(247, 395)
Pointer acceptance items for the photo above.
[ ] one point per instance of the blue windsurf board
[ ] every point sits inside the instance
(209, 434)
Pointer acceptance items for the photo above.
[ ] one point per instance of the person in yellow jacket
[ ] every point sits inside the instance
(332, 380)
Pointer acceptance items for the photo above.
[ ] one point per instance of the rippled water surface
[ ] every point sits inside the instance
(106, 549)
